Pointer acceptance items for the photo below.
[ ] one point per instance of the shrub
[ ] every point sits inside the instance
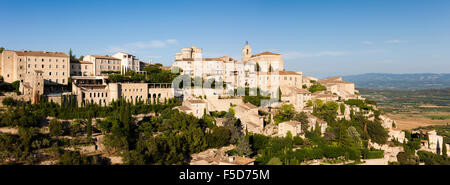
(274, 161)
(55, 127)
(407, 159)
(377, 132)
(317, 87)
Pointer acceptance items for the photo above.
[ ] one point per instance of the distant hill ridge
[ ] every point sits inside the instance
(417, 81)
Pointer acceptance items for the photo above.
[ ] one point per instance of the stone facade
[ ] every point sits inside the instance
(32, 86)
(15, 65)
(81, 68)
(294, 127)
(128, 62)
(346, 90)
(196, 107)
(95, 90)
(103, 63)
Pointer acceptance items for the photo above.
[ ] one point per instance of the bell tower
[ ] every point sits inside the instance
(246, 52)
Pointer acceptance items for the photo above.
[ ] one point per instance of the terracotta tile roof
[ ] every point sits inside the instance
(279, 73)
(105, 57)
(334, 80)
(182, 108)
(301, 91)
(265, 53)
(41, 53)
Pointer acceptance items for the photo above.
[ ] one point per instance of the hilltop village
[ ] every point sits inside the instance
(59, 109)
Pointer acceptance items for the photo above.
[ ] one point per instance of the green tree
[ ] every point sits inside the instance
(444, 149)
(1, 49)
(286, 113)
(243, 147)
(16, 85)
(75, 128)
(55, 127)
(377, 132)
(342, 108)
(354, 135)
(302, 117)
(317, 87)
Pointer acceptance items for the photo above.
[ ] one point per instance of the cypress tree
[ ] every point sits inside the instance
(444, 149)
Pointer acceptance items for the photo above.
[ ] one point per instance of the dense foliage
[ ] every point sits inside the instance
(317, 87)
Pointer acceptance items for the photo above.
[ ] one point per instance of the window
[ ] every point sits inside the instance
(49, 60)
(56, 80)
(63, 74)
(20, 60)
(56, 73)
(49, 66)
(42, 66)
(42, 60)
(56, 66)
(29, 65)
(63, 80)
(63, 66)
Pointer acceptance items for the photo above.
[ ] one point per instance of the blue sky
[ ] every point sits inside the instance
(321, 38)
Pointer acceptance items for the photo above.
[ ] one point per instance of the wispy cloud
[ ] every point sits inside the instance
(139, 45)
(396, 41)
(367, 42)
(296, 54)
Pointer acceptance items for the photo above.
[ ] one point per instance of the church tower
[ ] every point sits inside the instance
(246, 52)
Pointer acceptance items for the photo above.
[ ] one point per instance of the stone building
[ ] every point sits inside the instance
(250, 119)
(95, 89)
(295, 96)
(325, 96)
(15, 65)
(267, 61)
(128, 62)
(308, 81)
(196, 107)
(294, 127)
(103, 63)
(281, 79)
(81, 68)
(33, 85)
(346, 90)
